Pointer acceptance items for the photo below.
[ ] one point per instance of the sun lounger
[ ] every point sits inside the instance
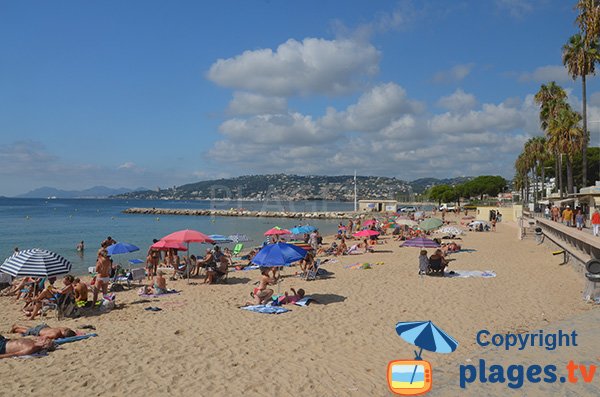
(312, 273)
(237, 249)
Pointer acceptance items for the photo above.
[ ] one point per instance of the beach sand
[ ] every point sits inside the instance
(201, 343)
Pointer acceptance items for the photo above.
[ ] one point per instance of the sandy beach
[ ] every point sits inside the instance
(201, 343)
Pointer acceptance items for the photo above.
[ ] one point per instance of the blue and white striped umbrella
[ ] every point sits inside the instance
(35, 263)
(426, 335)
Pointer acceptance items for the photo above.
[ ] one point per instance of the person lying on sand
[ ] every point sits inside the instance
(23, 346)
(262, 294)
(283, 300)
(44, 331)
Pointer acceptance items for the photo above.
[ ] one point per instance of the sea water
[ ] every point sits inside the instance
(60, 224)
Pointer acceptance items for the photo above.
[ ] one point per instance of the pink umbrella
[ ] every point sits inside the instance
(366, 233)
(165, 245)
(277, 231)
(188, 236)
(369, 222)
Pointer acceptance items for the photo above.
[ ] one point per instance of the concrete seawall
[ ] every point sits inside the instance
(256, 214)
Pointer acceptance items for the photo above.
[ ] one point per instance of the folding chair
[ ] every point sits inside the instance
(312, 273)
(237, 249)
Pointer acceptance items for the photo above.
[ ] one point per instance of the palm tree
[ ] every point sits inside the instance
(536, 148)
(580, 58)
(566, 137)
(551, 97)
(521, 179)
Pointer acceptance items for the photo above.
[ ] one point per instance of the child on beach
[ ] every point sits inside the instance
(423, 262)
(283, 300)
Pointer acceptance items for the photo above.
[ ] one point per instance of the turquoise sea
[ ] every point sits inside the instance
(59, 224)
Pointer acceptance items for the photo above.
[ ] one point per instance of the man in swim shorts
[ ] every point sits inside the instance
(44, 331)
(23, 346)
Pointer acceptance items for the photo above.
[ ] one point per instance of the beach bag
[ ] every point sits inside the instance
(108, 303)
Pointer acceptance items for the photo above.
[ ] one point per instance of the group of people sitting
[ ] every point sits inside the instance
(35, 292)
(435, 265)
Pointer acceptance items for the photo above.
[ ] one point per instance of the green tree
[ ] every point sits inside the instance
(580, 58)
(566, 137)
(439, 193)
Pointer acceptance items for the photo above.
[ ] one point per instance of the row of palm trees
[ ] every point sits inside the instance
(564, 137)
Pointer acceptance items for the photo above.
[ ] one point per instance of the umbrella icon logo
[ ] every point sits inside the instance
(414, 377)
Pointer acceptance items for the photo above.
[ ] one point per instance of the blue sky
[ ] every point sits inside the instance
(155, 93)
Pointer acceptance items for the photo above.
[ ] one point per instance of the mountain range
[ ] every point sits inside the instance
(93, 192)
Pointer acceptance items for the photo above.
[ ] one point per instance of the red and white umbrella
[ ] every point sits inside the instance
(163, 245)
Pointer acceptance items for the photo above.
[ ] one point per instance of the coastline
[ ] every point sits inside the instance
(247, 213)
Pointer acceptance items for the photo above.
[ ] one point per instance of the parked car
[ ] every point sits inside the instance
(409, 209)
(447, 207)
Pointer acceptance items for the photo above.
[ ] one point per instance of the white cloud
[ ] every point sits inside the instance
(127, 166)
(313, 66)
(455, 74)
(516, 8)
(458, 101)
(245, 103)
(545, 74)
(374, 110)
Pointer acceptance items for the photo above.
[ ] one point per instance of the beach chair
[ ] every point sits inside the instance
(312, 273)
(237, 249)
(63, 305)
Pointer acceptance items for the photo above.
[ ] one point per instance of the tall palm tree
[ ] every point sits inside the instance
(580, 56)
(551, 97)
(566, 137)
(522, 168)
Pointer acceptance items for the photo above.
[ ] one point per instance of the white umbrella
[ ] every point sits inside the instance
(35, 263)
(451, 230)
(407, 222)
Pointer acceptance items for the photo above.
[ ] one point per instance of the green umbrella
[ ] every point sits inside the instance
(430, 224)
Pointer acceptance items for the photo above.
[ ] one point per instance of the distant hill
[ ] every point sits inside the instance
(93, 192)
(421, 185)
(291, 187)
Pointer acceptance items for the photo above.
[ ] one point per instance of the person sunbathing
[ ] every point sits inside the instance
(342, 248)
(23, 346)
(261, 294)
(283, 300)
(307, 262)
(213, 274)
(33, 308)
(44, 331)
(437, 263)
(81, 292)
(159, 287)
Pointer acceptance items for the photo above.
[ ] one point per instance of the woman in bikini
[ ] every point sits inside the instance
(262, 294)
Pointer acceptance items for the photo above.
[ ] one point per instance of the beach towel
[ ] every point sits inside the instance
(362, 265)
(70, 339)
(305, 301)
(41, 353)
(169, 292)
(471, 273)
(266, 309)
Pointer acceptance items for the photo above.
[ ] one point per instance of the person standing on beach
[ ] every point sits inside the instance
(103, 266)
(596, 223)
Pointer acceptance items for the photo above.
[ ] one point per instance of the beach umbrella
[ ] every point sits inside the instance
(121, 248)
(238, 238)
(453, 230)
(366, 233)
(163, 245)
(299, 230)
(420, 242)
(219, 238)
(277, 231)
(278, 254)
(430, 224)
(407, 222)
(188, 236)
(425, 335)
(369, 222)
(35, 263)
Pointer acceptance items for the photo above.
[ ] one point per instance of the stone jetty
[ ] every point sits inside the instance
(238, 212)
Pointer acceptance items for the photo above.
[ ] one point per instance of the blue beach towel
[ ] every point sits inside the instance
(266, 309)
(305, 301)
(70, 339)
